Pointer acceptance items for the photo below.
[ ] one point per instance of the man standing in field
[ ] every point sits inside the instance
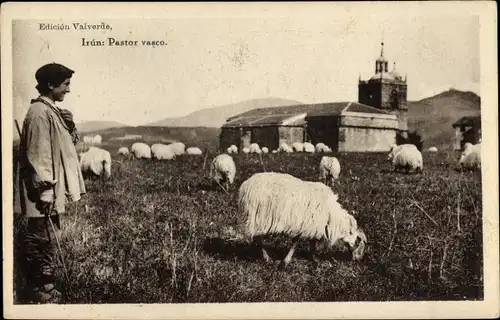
(50, 175)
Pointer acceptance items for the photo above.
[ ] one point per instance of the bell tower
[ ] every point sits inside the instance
(386, 91)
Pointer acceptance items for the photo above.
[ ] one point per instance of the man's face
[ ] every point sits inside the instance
(59, 92)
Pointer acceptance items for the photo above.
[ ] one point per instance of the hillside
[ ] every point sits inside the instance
(432, 117)
(89, 126)
(216, 116)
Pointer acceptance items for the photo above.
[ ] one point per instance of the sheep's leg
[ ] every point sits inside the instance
(313, 251)
(260, 244)
(289, 256)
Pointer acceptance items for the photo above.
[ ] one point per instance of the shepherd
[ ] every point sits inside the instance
(50, 178)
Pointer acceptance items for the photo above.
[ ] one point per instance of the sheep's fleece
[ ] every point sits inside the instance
(278, 202)
(97, 161)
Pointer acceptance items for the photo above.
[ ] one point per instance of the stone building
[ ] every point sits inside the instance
(386, 91)
(467, 129)
(369, 125)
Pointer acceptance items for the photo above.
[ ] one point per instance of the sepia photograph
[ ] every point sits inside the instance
(250, 160)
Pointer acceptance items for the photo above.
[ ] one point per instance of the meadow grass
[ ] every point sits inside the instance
(161, 232)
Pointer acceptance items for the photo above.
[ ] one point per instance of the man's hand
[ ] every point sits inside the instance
(44, 207)
(68, 118)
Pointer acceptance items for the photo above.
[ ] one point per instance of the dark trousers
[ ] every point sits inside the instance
(40, 249)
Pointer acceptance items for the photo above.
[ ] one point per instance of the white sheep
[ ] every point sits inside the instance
(223, 170)
(298, 147)
(329, 170)
(97, 139)
(254, 148)
(285, 148)
(229, 150)
(470, 159)
(194, 151)
(141, 150)
(96, 162)
(123, 151)
(87, 139)
(274, 203)
(162, 152)
(275, 151)
(321, 147)
(433, 149)
(178, 148)
(234, 148)
(308, 147)
(246, 150)
(408, 157)
(395, 149)
(265, 150)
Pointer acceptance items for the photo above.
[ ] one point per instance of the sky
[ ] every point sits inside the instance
(211, 62)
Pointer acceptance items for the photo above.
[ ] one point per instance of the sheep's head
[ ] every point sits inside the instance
(390, 156)
(356, 239)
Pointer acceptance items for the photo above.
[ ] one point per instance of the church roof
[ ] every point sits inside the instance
(295, 115)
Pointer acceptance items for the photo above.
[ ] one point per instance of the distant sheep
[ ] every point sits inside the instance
(285, 148)
(308, 147)
(470, 159)
(97, 139)
(298, 147)
(246, 150)
(232, 149)
(141, 150)
(265, 150)
(274, 203)
(178, 148)
(275, 151)
(123, 151)
(254, 148)
(406, 157)
(96, 162)
(162, 152)
(321, 147)
(433, 149)
(88, 139)
(329, 170)
(194, 151)
(223, 170)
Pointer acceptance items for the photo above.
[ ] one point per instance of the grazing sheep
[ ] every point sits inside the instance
(97, 139)
(285, 148)
(298, 147)
(123, 151)
(321, 147)
(433, 149)
(96, 162)
(194, 151)
(408, 158)
(254, 148)
(162, 152)
(274, 203)
(470, 159)
(87, 139)
(308, 147)
(395, 149)
(232, 149)
(141, 150)
(275, 151)
(178, 148)
(246, 150)
(265, 150)
(329, 170)
(223, 170)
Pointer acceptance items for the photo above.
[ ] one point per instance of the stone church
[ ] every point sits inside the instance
(369, 125)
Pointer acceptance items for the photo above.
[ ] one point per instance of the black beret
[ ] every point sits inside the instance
(53, 73)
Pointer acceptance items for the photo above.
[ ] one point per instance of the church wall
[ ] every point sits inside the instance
(364, 120)
(266, 137)
(290, 135)
(358, 139)
(228, 137)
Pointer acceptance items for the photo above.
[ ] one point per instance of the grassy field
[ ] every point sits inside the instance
(160, 232)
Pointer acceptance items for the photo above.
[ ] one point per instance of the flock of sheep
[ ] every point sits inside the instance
(274, 203)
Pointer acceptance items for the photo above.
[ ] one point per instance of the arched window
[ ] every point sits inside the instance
(394, 99)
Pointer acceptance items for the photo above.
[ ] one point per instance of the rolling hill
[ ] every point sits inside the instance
(216, 116)
(432, 117)
(90, 126)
